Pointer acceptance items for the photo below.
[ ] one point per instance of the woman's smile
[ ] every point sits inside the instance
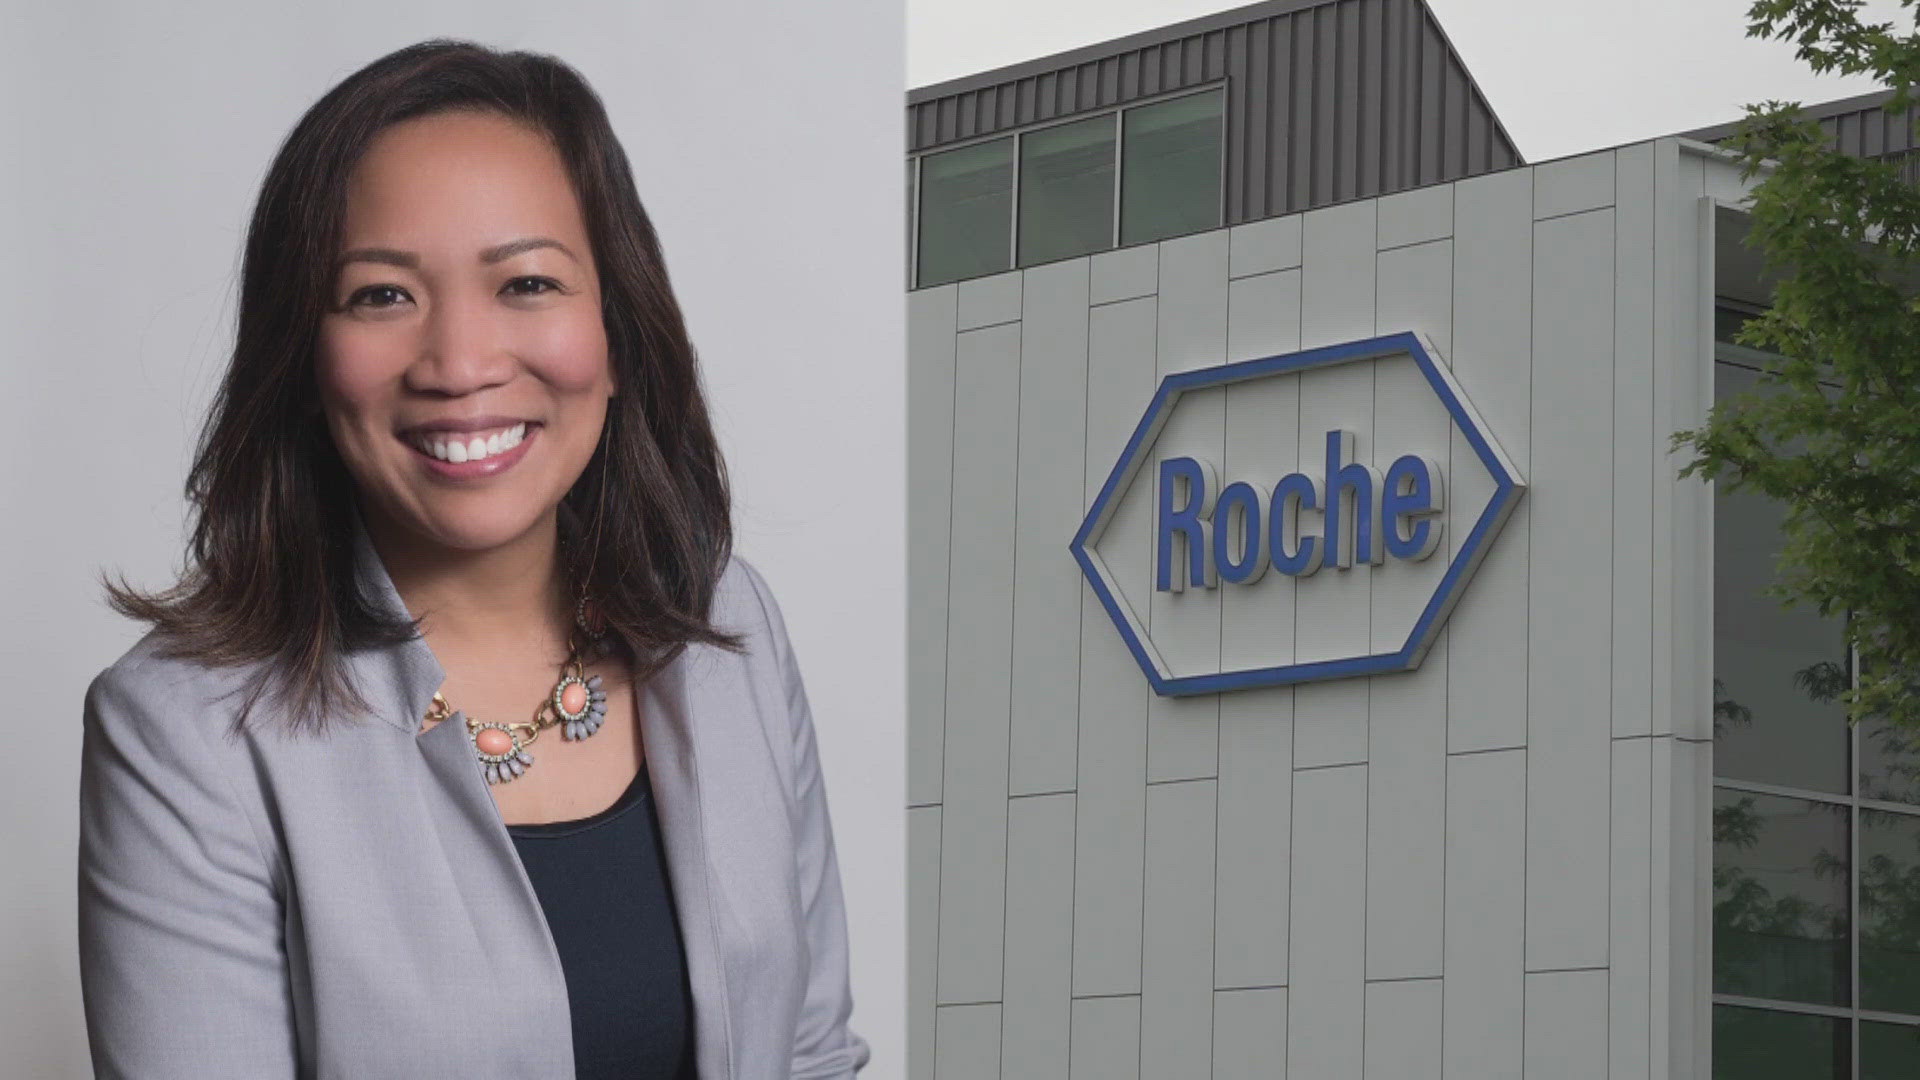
(466, 455)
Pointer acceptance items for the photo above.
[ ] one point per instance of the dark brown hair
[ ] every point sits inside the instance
(270, 574)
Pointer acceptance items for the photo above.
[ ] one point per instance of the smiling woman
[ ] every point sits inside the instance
(460, 455)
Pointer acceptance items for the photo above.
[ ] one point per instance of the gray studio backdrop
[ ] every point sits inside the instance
(766, 141)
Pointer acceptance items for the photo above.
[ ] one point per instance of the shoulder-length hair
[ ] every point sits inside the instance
(270, 574)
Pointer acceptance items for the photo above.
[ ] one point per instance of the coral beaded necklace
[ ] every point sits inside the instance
(577, 706)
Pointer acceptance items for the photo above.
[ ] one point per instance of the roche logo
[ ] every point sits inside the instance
(1307, 516)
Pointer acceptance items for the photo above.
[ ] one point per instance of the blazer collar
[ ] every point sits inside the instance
(404, 675)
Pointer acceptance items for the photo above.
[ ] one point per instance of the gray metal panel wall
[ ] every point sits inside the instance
(1858, 126)
(1336, 100)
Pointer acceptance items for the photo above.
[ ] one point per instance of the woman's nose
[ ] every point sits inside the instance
(462, 349)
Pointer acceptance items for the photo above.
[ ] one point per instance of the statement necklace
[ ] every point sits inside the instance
(577, 706)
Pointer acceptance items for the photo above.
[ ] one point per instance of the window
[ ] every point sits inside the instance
(1066, 190)
(1057, 183)
(1816, 827)
(966, 211)
(1170, 178)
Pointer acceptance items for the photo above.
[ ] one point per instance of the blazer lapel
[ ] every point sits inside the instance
(407, 674)
(489, 884)
(673, 769)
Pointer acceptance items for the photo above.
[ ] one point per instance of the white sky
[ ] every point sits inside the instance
(1564, 76)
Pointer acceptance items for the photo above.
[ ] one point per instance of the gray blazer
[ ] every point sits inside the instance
(352, 906)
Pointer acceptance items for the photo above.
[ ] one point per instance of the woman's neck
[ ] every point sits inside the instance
(507, 597)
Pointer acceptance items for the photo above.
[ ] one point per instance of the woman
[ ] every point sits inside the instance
(464, 747)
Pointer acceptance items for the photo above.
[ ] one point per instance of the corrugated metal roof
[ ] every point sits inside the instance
(1858, 125)
(1327, 100)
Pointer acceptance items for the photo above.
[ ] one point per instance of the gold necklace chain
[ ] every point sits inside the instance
(543, 717)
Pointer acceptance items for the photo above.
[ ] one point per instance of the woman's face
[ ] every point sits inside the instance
(465, 316)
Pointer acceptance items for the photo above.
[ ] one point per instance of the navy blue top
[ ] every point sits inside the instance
(602, 882)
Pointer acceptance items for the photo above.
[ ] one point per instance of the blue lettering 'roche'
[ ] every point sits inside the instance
(1205, 533)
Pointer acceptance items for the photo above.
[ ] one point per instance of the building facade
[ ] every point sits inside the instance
(1316, 662)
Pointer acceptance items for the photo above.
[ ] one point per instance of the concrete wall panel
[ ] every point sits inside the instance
(1573, 184)
(1176, 994)
(923, 937)
(1326, 997)
(1486, 910)
(1039, 953)
(968, 1043)
(1250, 1034)
(1254, 845)
(1493, 359)
(1106, 1038)
(930, 349)
(1049, 490)
(1403, 1029)
(1567, 1024)
(1183, 733)
(1570, 595)
(979, 655)
(1110, 813)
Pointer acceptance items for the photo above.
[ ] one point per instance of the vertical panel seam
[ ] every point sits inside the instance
(1086, 454)
(1613, 563)
(1366, 779)
(1526, 782)
(946, 643)
(1446, 673)
(1146, 720)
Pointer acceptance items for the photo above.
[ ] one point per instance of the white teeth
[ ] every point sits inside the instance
(473, 449)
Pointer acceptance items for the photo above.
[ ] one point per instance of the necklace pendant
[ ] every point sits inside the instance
(502, 756)
(581, 705)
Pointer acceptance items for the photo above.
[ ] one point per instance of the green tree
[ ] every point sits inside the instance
(1833, 430)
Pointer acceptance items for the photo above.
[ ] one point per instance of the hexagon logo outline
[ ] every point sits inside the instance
(1509, 486)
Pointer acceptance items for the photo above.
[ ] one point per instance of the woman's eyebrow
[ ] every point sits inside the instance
(497, 253)
(528, 243)
(384, 256)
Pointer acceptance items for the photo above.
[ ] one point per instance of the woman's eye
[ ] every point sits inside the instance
(531, 286)
(386, 295)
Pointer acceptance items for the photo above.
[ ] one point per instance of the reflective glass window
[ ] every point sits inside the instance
(1066, 190)
(1889, 762)
(1890, 912)
(1170, 167)
(1760, 1044)
(966, 212)
(1780, 899)
(1777, 670)
(1728, 321)
(1889, 1051)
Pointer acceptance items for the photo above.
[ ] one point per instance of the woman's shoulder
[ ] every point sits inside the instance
(744, 604)
(162, 688)
(743, 601)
